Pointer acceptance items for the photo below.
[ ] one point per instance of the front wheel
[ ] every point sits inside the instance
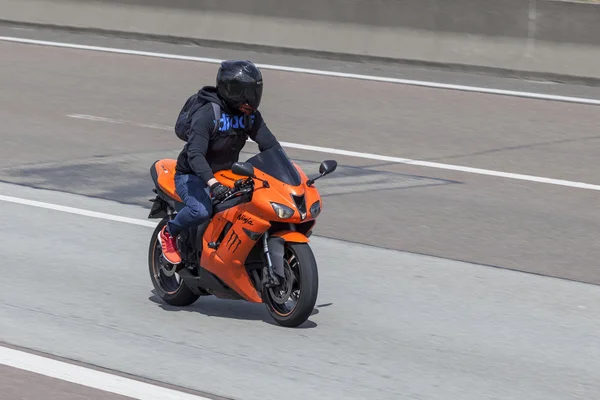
(293, 301)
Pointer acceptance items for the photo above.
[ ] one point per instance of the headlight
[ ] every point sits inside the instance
(315, 209)
(283, 212)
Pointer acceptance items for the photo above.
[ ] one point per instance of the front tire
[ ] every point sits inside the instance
(301, 285)
(169, 286)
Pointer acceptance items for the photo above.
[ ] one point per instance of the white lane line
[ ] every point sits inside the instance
(479, 171)
(378, 157)
(90, 377)
(435, 85)
(78, 211)
(118, 121)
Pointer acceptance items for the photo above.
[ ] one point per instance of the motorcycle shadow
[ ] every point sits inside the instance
(229, 309)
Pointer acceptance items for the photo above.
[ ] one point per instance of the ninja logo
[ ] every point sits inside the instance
(234, 240)
(245, 219)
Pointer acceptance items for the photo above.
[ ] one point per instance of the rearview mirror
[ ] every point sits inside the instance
(243, 168)
(327, 167)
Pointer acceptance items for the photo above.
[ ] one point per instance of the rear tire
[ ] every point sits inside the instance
(171, 289)
(300, 262)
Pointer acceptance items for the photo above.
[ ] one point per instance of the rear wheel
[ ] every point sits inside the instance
(168, 284)
(293, 301)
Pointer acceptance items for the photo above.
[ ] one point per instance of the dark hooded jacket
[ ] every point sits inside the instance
(206, 152)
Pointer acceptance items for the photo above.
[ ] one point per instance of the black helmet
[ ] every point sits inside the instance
(239, 82)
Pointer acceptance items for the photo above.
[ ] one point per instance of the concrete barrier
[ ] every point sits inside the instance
(551, 38)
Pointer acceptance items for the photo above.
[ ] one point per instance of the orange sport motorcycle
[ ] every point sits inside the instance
(255, 247)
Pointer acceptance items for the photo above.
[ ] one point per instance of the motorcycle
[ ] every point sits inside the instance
(256, 245)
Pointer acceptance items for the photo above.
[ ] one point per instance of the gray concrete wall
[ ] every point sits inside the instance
(542, 36)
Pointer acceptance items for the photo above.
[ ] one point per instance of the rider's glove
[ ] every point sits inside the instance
(219, 191)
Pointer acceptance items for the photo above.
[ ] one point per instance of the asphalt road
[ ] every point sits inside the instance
(388, 325)
(20, 385)
(391, 324)
(508, 223)
(391, 69)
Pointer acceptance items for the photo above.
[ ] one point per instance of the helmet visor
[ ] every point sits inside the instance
(240, 93)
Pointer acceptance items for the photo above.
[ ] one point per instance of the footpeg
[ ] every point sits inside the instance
(213, 245)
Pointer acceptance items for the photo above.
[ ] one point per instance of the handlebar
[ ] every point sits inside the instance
(240, 186)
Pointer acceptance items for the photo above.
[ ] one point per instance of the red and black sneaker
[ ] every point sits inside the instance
(169, 247)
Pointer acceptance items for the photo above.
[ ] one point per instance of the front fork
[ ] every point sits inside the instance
(275, 246)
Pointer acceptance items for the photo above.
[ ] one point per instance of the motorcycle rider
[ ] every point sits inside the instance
(212, 148)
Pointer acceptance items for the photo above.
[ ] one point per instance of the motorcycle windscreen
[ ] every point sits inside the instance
(276, 163)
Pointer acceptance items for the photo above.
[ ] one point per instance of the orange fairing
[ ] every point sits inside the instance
(277, 192)
(165, 169)
(228, 260)
(227, 178)
(291, 236)
(235, 232)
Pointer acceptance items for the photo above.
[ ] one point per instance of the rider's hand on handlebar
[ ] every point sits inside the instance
(219, 191)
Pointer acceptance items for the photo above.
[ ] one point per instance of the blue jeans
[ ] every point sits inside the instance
(195, 193)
